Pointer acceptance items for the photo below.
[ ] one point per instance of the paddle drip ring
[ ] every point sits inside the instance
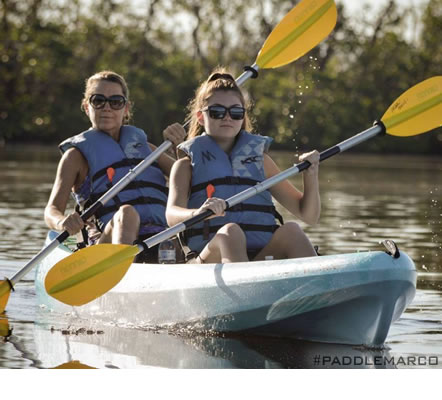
(10, 284)
(252, 70)
(381, 124)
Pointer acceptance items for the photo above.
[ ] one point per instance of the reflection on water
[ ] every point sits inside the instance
(364, 199)
(66, 341)
(113, 347)
(123, 348)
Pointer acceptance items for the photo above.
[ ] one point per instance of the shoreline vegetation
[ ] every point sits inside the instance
(336, 90)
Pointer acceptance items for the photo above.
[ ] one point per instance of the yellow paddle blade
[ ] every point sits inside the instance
(5, 291)
(89, 273)
(73, 365)
(306, 25)
(5, 331)
(417, 110)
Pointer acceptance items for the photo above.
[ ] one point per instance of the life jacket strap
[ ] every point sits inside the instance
(125, 162)
(131, 186)
(227, 180)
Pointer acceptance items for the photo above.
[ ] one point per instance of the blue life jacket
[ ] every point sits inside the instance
(147, 192)
(230, 174)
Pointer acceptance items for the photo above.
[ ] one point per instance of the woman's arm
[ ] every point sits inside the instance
(175, 133)
(306, 206)
(164, 161)
(71, 172)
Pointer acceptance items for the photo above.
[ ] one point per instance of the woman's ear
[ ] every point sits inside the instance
(200, 117)
(85, 108)
(126, 113)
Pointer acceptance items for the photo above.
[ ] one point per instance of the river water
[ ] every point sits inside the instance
(365, 199)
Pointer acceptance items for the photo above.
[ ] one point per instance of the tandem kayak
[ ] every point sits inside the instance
(347, 298)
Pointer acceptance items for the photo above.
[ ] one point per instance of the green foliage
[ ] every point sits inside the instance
(164, 50)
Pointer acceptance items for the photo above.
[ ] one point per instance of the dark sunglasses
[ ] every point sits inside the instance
(116, 102)
(219, 112)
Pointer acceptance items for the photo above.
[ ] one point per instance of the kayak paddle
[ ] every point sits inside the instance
(307, 24)
(91, 272)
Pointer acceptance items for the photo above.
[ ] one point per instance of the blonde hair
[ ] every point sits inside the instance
(108, 76)
(219, 80)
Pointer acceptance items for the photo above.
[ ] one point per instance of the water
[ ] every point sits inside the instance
(364, 199)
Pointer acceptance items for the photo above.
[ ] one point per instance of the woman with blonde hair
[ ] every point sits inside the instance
(98, 158)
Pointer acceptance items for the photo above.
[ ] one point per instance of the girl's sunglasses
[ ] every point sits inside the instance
(116, 102)
(219, 112)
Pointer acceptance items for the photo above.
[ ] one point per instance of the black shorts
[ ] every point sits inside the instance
(251, 254)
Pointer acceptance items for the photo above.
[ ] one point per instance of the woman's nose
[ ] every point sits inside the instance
(227, 116)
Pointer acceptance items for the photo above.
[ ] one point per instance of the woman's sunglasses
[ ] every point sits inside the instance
(116, 102)
(219, 112)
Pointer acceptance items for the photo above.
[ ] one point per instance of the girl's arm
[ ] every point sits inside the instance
(307, 205)
(179, 189)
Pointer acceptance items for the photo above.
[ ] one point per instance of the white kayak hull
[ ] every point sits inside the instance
(348, 298)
